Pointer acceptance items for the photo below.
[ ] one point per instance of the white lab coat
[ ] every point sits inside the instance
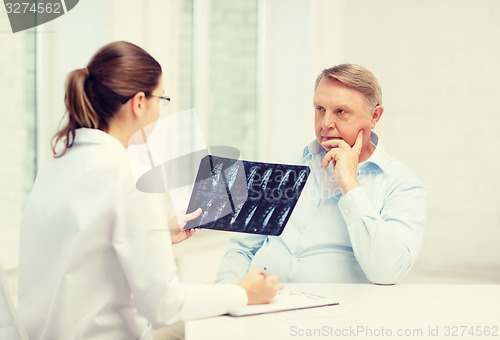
(93, 264)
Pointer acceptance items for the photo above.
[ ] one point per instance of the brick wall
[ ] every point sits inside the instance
(17, 121)
(233, 75)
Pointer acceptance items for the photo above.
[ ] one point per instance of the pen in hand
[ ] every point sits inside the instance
(260, 287)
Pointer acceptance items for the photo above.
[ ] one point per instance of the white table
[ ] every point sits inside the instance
(420, 311)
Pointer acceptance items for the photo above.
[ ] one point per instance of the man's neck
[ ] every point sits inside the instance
(366, 152)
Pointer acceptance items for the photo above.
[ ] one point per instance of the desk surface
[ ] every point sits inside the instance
(370, 311)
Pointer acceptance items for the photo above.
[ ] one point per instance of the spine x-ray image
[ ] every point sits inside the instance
(244, 196)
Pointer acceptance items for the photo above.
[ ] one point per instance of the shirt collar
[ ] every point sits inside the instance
(95, 136)
(314, 148)
(379, 157)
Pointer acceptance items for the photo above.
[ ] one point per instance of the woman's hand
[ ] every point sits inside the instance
(177, 223)
(260, 287)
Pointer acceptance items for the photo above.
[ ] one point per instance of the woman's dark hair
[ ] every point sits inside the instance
(94, 94)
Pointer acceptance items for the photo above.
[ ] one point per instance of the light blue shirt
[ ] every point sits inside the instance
(371, 234)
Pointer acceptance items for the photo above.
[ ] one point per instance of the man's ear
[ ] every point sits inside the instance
(138, 101)
(377, 113)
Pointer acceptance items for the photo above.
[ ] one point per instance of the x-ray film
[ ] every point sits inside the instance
(244, 196)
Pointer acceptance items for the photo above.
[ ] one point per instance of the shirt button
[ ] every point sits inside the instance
(296, 259)
(346, 211)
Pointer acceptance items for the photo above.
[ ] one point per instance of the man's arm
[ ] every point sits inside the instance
(386, 242)
(239, 254)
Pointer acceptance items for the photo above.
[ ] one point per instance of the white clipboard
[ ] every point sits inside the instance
(287, 300)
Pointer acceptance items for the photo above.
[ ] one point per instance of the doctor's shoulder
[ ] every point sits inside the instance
(92, 166)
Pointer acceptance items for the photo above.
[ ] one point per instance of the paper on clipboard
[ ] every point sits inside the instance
(287, 300)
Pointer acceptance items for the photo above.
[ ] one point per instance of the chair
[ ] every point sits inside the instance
(10, 325)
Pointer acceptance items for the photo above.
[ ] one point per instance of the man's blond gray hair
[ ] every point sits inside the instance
(358, 78)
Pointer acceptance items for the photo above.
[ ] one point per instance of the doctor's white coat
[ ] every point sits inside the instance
(93, 263)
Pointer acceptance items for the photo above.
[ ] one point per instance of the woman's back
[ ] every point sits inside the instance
(67, 233)
(96, 259)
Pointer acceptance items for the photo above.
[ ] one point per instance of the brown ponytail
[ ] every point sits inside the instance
(95, 93)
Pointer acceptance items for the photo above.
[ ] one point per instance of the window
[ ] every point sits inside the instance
(17, 132)
(218, 70)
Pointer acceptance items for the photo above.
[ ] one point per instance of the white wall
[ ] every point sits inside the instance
(70, 41)
(64, 45)
(17, 123)
(286, 71)
(437, 62)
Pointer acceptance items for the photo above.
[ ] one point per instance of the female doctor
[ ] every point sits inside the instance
(91, 264)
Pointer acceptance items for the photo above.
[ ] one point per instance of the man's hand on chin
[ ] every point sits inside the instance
(344, 159)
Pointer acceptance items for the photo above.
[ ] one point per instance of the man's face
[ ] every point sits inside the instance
(341, 112)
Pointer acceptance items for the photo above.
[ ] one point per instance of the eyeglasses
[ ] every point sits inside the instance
(163, 100)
